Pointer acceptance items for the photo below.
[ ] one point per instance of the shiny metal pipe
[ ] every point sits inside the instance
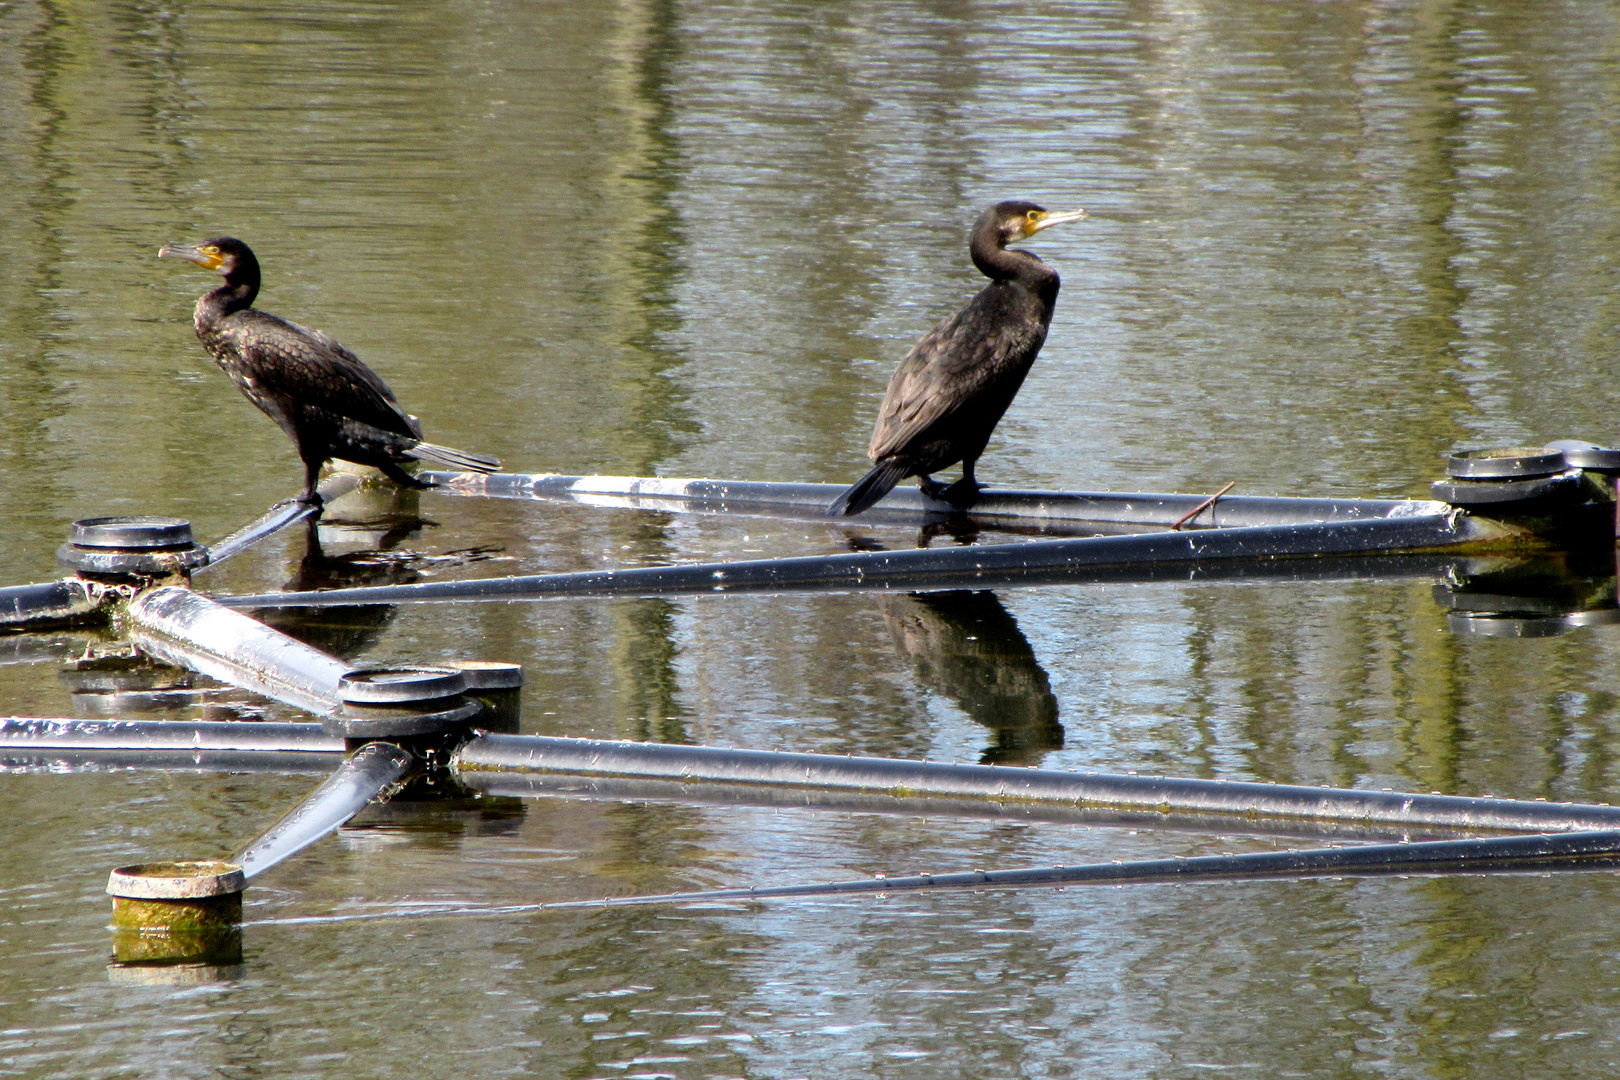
(283, 762)
(372, 772)
(1168, 798)
(189, 629)
(816, 800)
(26, 733)
(907, 504)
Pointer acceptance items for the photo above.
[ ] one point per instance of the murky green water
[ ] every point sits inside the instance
(1328, 242)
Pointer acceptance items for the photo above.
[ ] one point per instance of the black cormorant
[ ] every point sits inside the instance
(322, 396)
(951, 389)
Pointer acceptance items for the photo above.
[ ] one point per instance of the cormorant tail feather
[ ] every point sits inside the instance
(454, 459)
(869, 488)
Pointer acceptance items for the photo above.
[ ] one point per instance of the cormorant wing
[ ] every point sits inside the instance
(286, 359)
(956, 365)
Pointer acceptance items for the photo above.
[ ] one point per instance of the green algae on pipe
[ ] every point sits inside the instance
(177, 913)
(1166, 796)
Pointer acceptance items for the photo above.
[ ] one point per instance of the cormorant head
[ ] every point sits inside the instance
(1014, 220)
(231, 258)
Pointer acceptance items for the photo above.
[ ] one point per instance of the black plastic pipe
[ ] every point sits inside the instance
(819, 800)
(190, 630)
(1037, 561)
(1166, 797)
(48, 602)
(1563, 852)
(908, 504)
(372, 772)
(1501, 854)
(278, 517)
(23, 734)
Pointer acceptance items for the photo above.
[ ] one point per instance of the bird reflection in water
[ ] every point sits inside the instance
(967, 646)
(348, 631)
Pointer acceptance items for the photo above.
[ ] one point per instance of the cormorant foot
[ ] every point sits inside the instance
(404, 479)
(961, 495)
(312, 498)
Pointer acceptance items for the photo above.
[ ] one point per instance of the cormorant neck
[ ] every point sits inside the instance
(235, 295)
(995, 262)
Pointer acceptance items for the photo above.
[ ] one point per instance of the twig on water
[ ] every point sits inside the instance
(1201, 507)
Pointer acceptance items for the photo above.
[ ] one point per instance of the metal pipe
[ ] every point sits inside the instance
(1579, 850)
(284, 513)
(910, 505)
(1499, 855)
(372, 772)
(1166, 797)
(597, 789)
(25, 733)
(193, 631)
(287, 763)
(49, 602)
(1080, 559)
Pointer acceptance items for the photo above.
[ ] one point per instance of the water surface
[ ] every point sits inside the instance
(1328, 242)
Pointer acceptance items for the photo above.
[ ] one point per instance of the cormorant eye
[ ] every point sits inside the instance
(211, 249)
(1033, 215)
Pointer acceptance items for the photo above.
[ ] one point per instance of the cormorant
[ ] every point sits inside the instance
(951, 389)
(329, 403)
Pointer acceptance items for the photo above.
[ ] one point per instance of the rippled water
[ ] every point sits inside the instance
(1328, 242)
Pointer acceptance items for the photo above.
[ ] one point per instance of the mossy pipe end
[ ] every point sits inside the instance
(177, 880)
(177, 912)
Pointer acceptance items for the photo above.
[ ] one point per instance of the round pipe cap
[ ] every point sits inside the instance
(176, 880)
(400, 685)
(132, 533)
(1506, 463)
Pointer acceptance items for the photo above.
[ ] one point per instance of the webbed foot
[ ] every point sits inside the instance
(961, 495)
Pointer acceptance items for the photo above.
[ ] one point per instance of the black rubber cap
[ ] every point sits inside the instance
(1508, 463)
(399, 685)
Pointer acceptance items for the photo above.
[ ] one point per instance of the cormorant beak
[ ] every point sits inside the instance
(191, 254)
(1047, 220)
